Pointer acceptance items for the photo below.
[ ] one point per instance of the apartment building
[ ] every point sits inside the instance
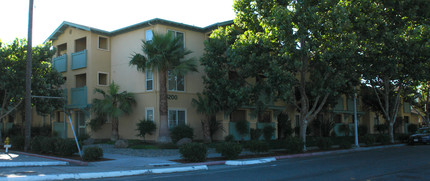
(90, 58)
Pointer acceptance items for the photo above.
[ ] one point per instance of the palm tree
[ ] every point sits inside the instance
(164, 53)
(113, 105)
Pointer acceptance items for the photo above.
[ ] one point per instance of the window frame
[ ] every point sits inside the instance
(146, 80)
(146, 34)
(98, 78)
(177, 117)
(175, 32)
(153, 113)
(176, 82)
(107, 43)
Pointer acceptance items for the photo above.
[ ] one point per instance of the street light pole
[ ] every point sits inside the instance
(28, 79)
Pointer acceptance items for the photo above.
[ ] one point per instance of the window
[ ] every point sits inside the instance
(376, 120)
(149, 79)
(149, 35)
(265, 117)
(238, 115)
(61, 49)
(150, 114)
(176, 82)
(177, 34)
(176, 117)
(297, 120)
(103, 43)
(80, 44)
(102, 78)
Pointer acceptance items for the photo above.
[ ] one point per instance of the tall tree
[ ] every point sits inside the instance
(311, 40)
(113, 105)
(164, 53)
(45, 80)
(393, 39)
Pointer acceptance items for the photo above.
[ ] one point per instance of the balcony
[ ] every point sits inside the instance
(78, 97)
(60, 63)
(79, 60)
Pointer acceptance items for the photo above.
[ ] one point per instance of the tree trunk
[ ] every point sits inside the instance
(115, 135)
(163, 136)
(391, 131)
(303, 128)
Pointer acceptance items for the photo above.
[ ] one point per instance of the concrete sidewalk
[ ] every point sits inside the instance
(122, 165)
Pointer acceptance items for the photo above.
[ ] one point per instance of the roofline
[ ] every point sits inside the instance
(136, 26)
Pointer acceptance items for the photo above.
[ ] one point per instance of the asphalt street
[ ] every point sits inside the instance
(399, 163)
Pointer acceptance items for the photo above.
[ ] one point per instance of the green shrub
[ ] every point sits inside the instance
(97, 123)
(257, 147)
(92, 154)
(65, 147)
(294, 144)
(229, 138)
(402, 137)
(194, 152)
(268, 132)
(276, 144)
(362, 130)
(83, 137)
(48, 144)
(16, 130)
(181, 131)
(41, 131)
(383, 139)
(145, 127)
(368, 140)
(36, 145)
(242, 128)
(381, 128)
(167, 146)
(345, 144)
(229, 150)
(324, 143)
(255, 133)
(412, 128)
(17, 142)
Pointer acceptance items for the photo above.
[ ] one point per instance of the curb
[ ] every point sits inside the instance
(250, 162)
(33, 164)
(74, 162)
(95, 175)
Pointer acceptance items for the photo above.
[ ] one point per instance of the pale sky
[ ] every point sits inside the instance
(105, 14)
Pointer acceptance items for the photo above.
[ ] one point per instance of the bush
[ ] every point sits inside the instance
(255, 133)
(92, 154)
(82, 138)
(383, 139)
(36, 145)
(65, 147)
(412, 128)
(181, 131)
(345, 144)
(229, 138)
(268, 132)
(41, 131)
(229, 150)
(258, 146)
(381, 128)
(294, 144)
(369, 140)
(48, 144)
(404, 138)
(194, 152)
(242, 128)
(324, 143)
(16, 130)
(17, 142)
(362, 130)
(97, 123)
(145, 127)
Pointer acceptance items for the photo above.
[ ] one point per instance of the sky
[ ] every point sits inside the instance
(105, 14)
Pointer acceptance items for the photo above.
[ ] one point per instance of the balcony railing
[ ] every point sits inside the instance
(78, 97)
(79, 60)
(60, 63)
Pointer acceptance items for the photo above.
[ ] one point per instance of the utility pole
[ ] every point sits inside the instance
(355, 120)
(28, 79)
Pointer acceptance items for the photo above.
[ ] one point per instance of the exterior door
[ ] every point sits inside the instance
(80, 123)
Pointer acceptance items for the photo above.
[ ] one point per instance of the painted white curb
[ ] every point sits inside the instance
(250, 162)
(32, 164)
(105, 174)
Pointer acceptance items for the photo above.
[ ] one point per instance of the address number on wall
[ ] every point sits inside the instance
(172, 97)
